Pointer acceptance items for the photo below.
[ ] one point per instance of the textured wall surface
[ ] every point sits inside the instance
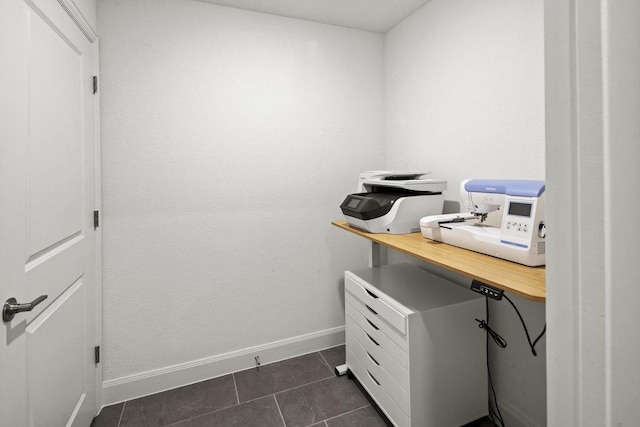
(229, 139)
(464, 91)
(464, 96)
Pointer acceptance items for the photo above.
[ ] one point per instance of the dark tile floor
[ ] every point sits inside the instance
(298, 392)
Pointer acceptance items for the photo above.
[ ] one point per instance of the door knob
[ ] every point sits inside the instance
(11, 307)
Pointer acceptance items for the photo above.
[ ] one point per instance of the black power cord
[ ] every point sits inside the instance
(494, 410)
(526, 331)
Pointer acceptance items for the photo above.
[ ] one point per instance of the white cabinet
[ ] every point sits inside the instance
(414, 344)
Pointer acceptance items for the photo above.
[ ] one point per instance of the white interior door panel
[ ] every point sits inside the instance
(47, 198)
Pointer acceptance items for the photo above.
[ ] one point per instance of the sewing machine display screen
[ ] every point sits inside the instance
(520, 209)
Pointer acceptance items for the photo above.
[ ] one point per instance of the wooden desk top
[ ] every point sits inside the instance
(528, 282)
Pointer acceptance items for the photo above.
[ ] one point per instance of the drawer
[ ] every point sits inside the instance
(366, 316)
(397, 416)
(370, 297)
(380, 376)
(397, 369)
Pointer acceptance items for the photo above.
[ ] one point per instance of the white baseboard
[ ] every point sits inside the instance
(157, 380)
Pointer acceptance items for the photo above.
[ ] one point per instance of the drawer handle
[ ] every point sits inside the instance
(372, 340)
(371, 294)
(373, 378)
(371, 357)
(371, 310)
(372, 325)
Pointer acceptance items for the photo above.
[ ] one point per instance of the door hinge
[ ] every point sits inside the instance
(96, 219)
(95, 84)
(97, 354)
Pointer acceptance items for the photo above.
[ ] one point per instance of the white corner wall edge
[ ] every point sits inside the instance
(157, 380)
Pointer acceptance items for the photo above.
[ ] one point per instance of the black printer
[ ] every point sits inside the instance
(393, 202)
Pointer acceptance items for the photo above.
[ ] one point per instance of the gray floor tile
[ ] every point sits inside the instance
(180, 404)
(109, 416)
(364, 417)
(308, 394)
(316, 402)
(261, 412)
(279, 376)
(334, 356)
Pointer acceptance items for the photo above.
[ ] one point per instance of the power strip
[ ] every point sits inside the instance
(486, 290)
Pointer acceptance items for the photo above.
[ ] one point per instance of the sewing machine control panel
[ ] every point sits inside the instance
(517, 224)
(522, 227)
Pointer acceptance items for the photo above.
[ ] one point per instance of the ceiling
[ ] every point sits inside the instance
(370, 15)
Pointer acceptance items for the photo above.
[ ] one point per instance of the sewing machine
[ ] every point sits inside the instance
(505, 219)
(393, 201)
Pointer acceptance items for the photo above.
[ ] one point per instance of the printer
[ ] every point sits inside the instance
(504, 219)
(393, 201)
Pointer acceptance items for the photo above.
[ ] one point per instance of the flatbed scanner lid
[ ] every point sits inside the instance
(408, 180)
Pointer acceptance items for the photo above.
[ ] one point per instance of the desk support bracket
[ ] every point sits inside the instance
(378, 255)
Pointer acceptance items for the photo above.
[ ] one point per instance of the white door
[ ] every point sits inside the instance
(47, 190)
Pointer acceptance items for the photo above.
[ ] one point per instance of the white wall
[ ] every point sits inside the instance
(464, 96)
(229, 140)
(464, 89)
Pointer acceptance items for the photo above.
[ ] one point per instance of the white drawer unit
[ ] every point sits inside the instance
(413, 343)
